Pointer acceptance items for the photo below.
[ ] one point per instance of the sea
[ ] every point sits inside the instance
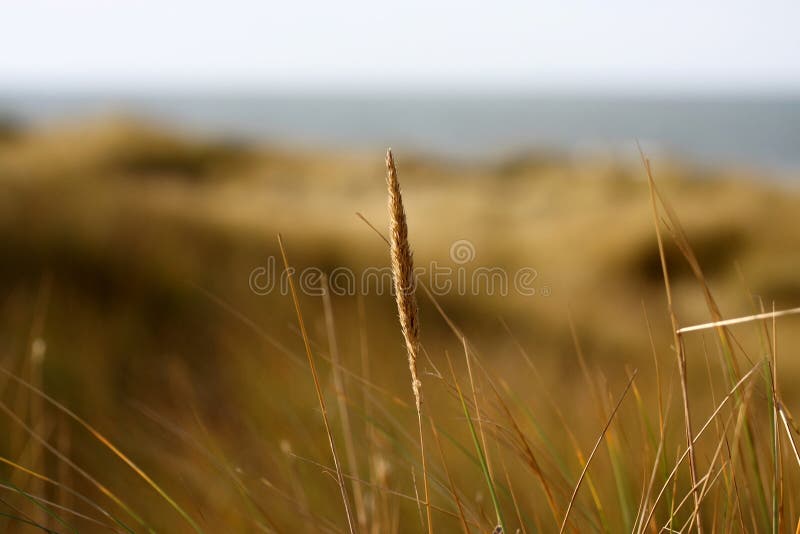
(761, 132)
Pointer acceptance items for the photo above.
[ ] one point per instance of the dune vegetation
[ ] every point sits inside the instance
(151, 378)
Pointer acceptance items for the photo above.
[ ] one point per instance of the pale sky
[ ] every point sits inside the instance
(616, 45)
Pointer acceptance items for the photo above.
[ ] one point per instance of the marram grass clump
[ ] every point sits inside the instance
(308, 424)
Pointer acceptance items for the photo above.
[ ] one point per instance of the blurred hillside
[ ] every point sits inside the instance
(128, 251)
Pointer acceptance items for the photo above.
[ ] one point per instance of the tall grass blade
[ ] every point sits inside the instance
(594, 450)
(318, 389)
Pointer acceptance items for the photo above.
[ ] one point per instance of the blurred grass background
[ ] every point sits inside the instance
(124, 291)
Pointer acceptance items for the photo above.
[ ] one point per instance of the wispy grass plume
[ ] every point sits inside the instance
(405, 296)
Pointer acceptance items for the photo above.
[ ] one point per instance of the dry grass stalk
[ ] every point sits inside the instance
(739, 320)
(478, 414)
(452, 486)
(681, 457)
(405, 296)
(789, 434)
(594, 450)
(77, 469)
(678, 342)
(318, 388)
(341, 401)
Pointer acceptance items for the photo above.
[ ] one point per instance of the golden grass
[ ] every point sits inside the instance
(677, 341)
(405, 296)
(351, 525)
(539, 438)
(592, 453)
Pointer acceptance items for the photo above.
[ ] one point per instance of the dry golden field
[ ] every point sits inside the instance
(153, 380)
